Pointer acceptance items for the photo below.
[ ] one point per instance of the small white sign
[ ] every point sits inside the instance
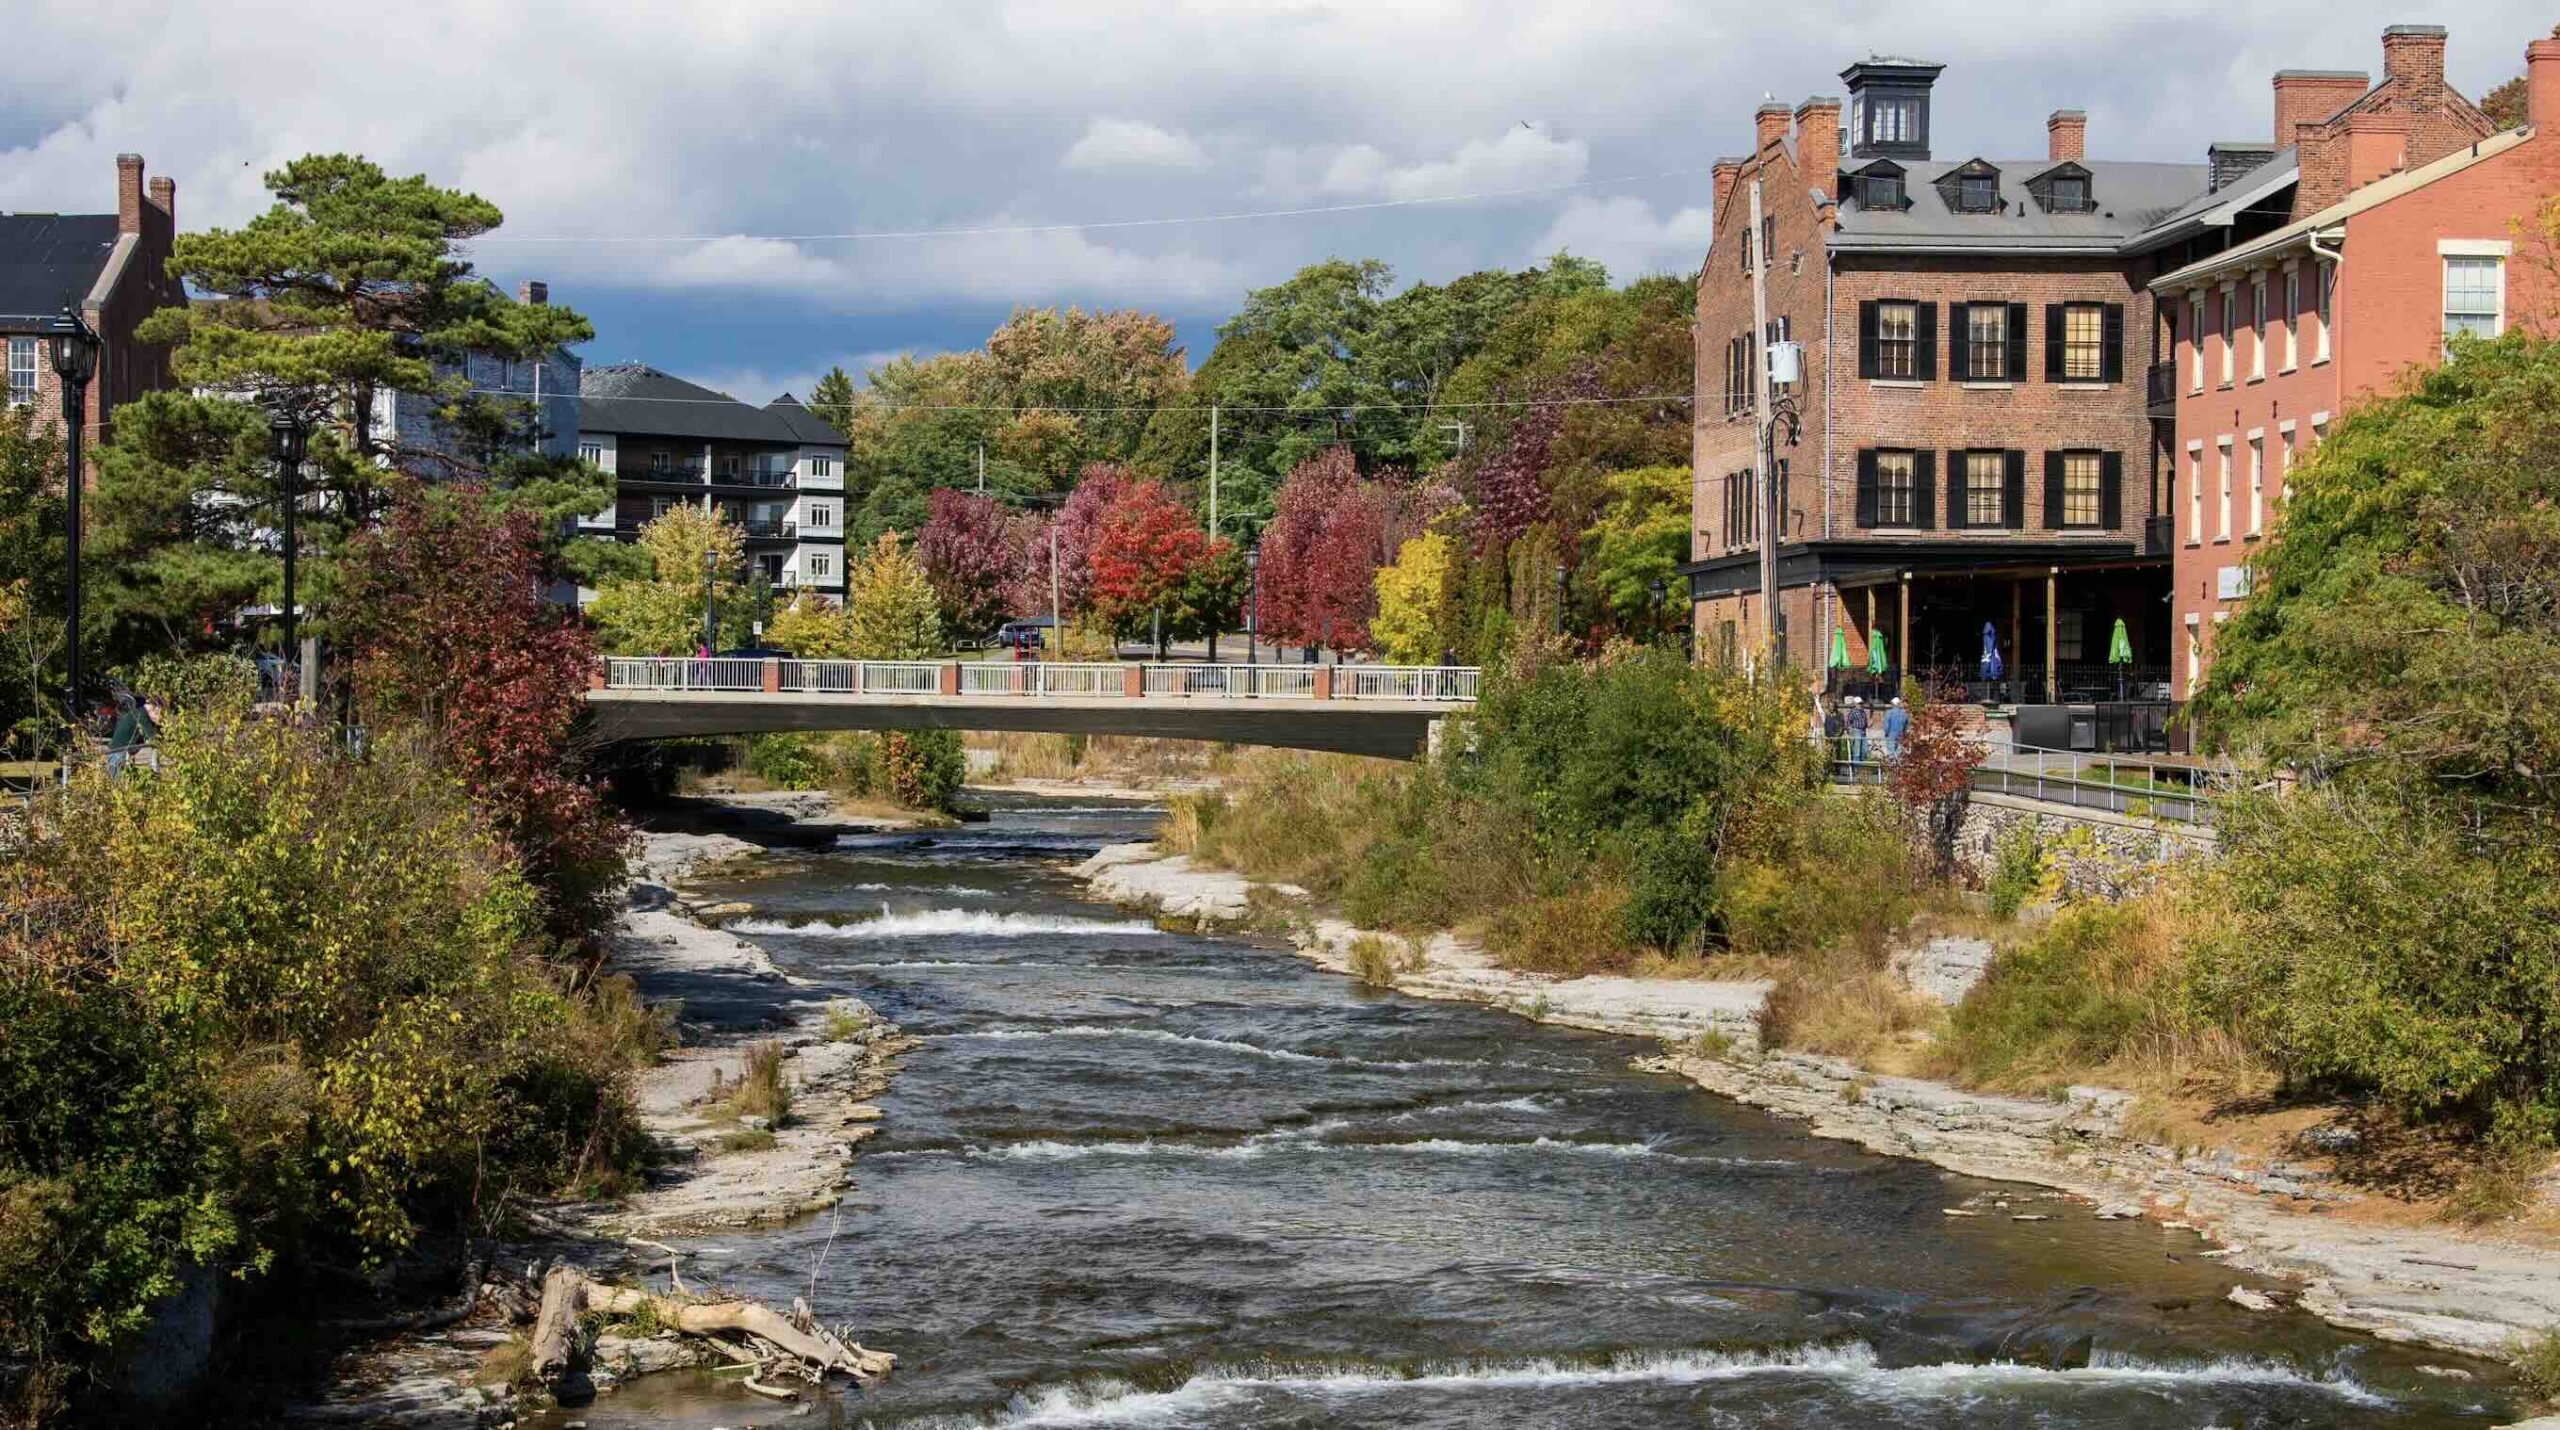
(2231, 582)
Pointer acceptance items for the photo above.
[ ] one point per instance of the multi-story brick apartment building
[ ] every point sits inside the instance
(776, 470)
(1975, 446)
(110, 268)
(2390, 222)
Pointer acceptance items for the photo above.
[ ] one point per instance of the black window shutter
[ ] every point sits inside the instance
(1959, 511)
(1924, 487)
(2013, 495)
(1959, 351)
(2053, 342)
(1867, 483)
(1927, 368)
(2017, 342)
(2112, 329)
(2053, 491)
(2111, 489)
(1867, 339)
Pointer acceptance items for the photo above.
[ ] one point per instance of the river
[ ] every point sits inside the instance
(1142, 1178)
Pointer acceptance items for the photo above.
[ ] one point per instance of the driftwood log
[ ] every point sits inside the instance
(802, 1344)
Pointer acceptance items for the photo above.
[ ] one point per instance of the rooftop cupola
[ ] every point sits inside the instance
(1889, 107)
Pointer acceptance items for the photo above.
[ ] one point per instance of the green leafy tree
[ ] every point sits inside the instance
(693, 557)
(31, 573)
(1642, 536)
(895, 615)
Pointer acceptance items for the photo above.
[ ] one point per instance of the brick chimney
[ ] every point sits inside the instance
(533, 293)
(2066, 135)
(2414, 55)
(1818, 139)
(2542, 83)
(1728, 177)
(2310, 96)
(128, 193)
(1771, 122)
(164, 197)
(2377, 147)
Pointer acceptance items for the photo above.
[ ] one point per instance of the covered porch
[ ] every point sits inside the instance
(2052, 623)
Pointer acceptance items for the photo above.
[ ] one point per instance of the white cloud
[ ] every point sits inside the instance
(1132, 144)
(1627, 237)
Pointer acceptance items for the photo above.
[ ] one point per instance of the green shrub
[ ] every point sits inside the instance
(212, 684)
(2536, 1358)
(1826, 872)
(2017, 870)
(922, 769)
(760, 1090)
(789, 760)
(2393, 943)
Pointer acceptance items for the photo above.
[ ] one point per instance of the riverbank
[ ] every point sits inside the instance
(2470, 1294)
(717, 1171)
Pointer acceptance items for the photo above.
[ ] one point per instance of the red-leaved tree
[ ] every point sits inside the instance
(1078, 524)
(1146, 548)
(975, 552)
(1330, 532)
(443, 606)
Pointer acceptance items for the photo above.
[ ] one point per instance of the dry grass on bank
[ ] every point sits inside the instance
(1131, 760)
(1846, 1003)
(1291, 818)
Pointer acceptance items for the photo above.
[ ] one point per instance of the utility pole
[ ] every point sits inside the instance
(1763, 457)
(1057, 632)
(982, 469)
(1213, 471)
(1461, 428)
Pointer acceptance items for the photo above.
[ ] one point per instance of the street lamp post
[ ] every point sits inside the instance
(286, 438)
(1253, 602)
(75, 361)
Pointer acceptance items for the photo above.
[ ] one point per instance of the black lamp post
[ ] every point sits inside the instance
(75, 361)
(1560, 579)
(1661, 599)
(286, 440)
(1253, 602)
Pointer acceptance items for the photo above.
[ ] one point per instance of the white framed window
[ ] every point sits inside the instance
(2257, 483)
(2230, 330)
(822, 514)
(1986, 342)
(2195, 494)
(2084, 344)
(22, 371)
(591, 453)
(2284, 459)
(2258, 328)
(1897, 487)
(820, 565)
(1986, 489)
(2328, 295)
(1897, 341)
(2195, 345)
(2222, 508)
(2195, 653)
(2475, 295)
(822, 466)
(2292, 318)
(2083, 488)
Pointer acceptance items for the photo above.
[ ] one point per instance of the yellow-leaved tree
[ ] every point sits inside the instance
(812, 628)
(895, 616)
(694, 555)
(1416, 601)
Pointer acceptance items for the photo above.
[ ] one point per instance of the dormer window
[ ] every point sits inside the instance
(1972, 187)
(1879, 187)
(2063, 189)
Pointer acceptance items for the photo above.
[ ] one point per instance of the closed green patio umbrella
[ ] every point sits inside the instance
(2120, 653)
(1839, 648)
(1877, 660)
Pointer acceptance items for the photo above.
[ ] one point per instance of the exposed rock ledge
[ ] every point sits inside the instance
(2471, 1294)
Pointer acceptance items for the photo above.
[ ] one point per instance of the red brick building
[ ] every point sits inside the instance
(1974, 442)
(112, 269)
(2391, 222)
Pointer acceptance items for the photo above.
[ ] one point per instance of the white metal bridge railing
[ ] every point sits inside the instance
(2116, 784)
(1415, 684)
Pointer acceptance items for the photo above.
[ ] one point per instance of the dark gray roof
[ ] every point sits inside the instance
(638, 399)
(2217, 208)
(811, 429)
(50, 260)
(2130, 198)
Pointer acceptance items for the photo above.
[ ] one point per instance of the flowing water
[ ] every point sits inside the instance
(1142, 1178)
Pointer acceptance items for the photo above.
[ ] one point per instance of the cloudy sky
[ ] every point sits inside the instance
(762, 131)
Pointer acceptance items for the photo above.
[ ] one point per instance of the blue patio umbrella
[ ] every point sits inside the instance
(1991, 667)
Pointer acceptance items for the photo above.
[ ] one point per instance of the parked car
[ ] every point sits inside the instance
(1030, 634)
(754, 652)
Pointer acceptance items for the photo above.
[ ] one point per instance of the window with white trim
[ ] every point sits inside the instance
(2258, 328)
(2230, 332)
(2084, 342)
(819, 565)
(2222, 520)
(591, 453)
(1897, 486)
(822, 513)
(1986, 342)
(22, 371)
(2475, 296)
(2195, 496)
(1897, 340)
(2328, 294)
(1986, 489)
(2195, 345)
(822, 466)
(2292, 318)
(2083, 488)
(2257, 485)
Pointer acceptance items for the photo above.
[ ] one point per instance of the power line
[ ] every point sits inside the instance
(999, 230)
(1324, 411)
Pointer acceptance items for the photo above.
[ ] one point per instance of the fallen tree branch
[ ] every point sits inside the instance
(567, 1292)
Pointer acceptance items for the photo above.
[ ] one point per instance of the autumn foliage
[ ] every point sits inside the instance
(444, 609)
(976, 552)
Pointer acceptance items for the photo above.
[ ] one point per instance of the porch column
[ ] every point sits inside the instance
(1871, 621)
(1905, 654)
(2052, 643)
(2017, 628)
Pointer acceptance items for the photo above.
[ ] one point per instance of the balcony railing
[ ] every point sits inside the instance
(766, 529)
(2160, 389)
(670, 472)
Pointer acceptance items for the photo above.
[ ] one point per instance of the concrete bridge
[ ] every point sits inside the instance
(1384, 710)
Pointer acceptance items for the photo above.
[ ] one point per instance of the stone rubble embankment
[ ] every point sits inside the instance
(2472, 1294)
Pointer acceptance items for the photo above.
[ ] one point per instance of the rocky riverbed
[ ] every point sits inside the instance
(2468, 1293)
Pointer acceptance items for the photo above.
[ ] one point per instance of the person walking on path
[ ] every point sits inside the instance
(1897, 726)
(1857, 722)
